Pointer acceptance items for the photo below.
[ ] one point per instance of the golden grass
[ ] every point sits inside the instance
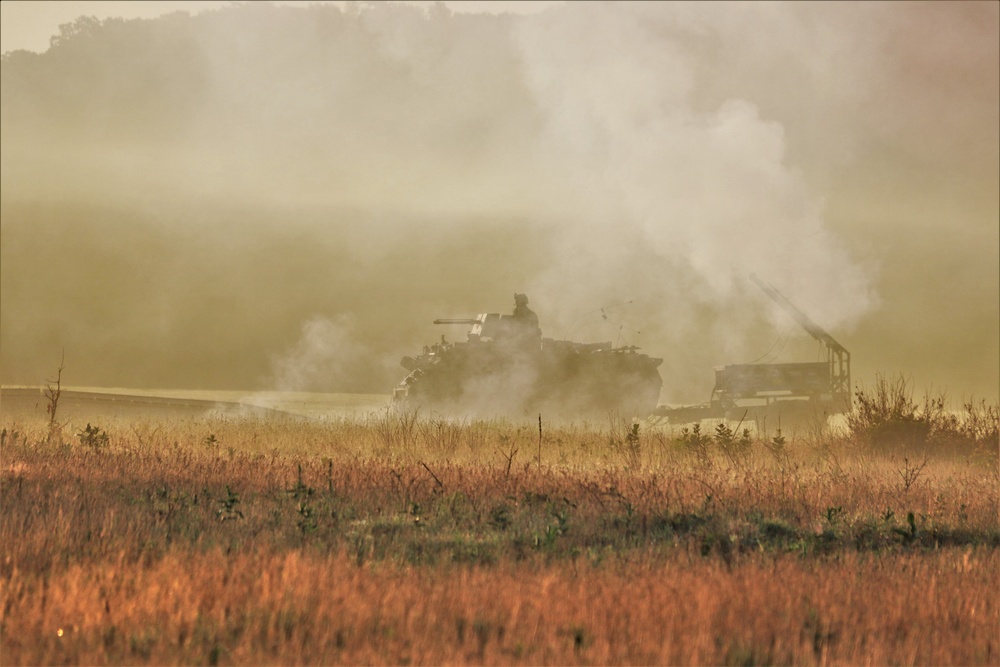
(294, 607)
(392, 540)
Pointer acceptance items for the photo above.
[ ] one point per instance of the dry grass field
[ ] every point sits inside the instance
(404, 540)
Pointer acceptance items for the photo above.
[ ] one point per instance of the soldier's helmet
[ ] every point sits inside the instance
(521, 299)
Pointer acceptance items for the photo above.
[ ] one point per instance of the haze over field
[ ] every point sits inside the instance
(275, 197)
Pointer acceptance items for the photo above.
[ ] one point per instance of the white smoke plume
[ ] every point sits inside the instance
(703, 191)
(679, 193)
(328, 354)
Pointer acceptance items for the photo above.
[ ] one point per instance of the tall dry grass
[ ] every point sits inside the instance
(294, 607)
(396, 540)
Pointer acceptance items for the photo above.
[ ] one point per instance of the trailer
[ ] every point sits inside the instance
(791, 392)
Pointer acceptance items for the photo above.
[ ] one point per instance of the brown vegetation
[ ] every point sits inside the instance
(402, 540)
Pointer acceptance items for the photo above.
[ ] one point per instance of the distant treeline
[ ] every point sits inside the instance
(300, 75)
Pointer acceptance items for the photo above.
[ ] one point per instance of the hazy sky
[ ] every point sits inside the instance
(258, 198)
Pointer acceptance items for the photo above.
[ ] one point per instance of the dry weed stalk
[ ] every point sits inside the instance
(52, 396)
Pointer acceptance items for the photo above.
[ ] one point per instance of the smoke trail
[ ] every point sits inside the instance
(670, 185)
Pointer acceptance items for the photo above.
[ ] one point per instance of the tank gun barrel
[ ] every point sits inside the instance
(460, 320)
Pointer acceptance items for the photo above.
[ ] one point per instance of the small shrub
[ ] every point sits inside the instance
(981, 424)
(694, 440)
(228, 511)
(93, 437)
(736, 448)
(777, 445)
(887, 419)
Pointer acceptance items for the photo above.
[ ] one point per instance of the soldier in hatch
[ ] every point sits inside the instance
(526, 322)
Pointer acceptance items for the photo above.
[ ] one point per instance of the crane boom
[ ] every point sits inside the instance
(837, 355)
(811, 327)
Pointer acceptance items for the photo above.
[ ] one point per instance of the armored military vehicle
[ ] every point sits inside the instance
(506, 367)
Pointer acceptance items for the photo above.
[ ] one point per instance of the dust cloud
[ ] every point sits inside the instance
(268, 197)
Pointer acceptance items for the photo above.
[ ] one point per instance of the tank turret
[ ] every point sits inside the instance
(506, 367)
